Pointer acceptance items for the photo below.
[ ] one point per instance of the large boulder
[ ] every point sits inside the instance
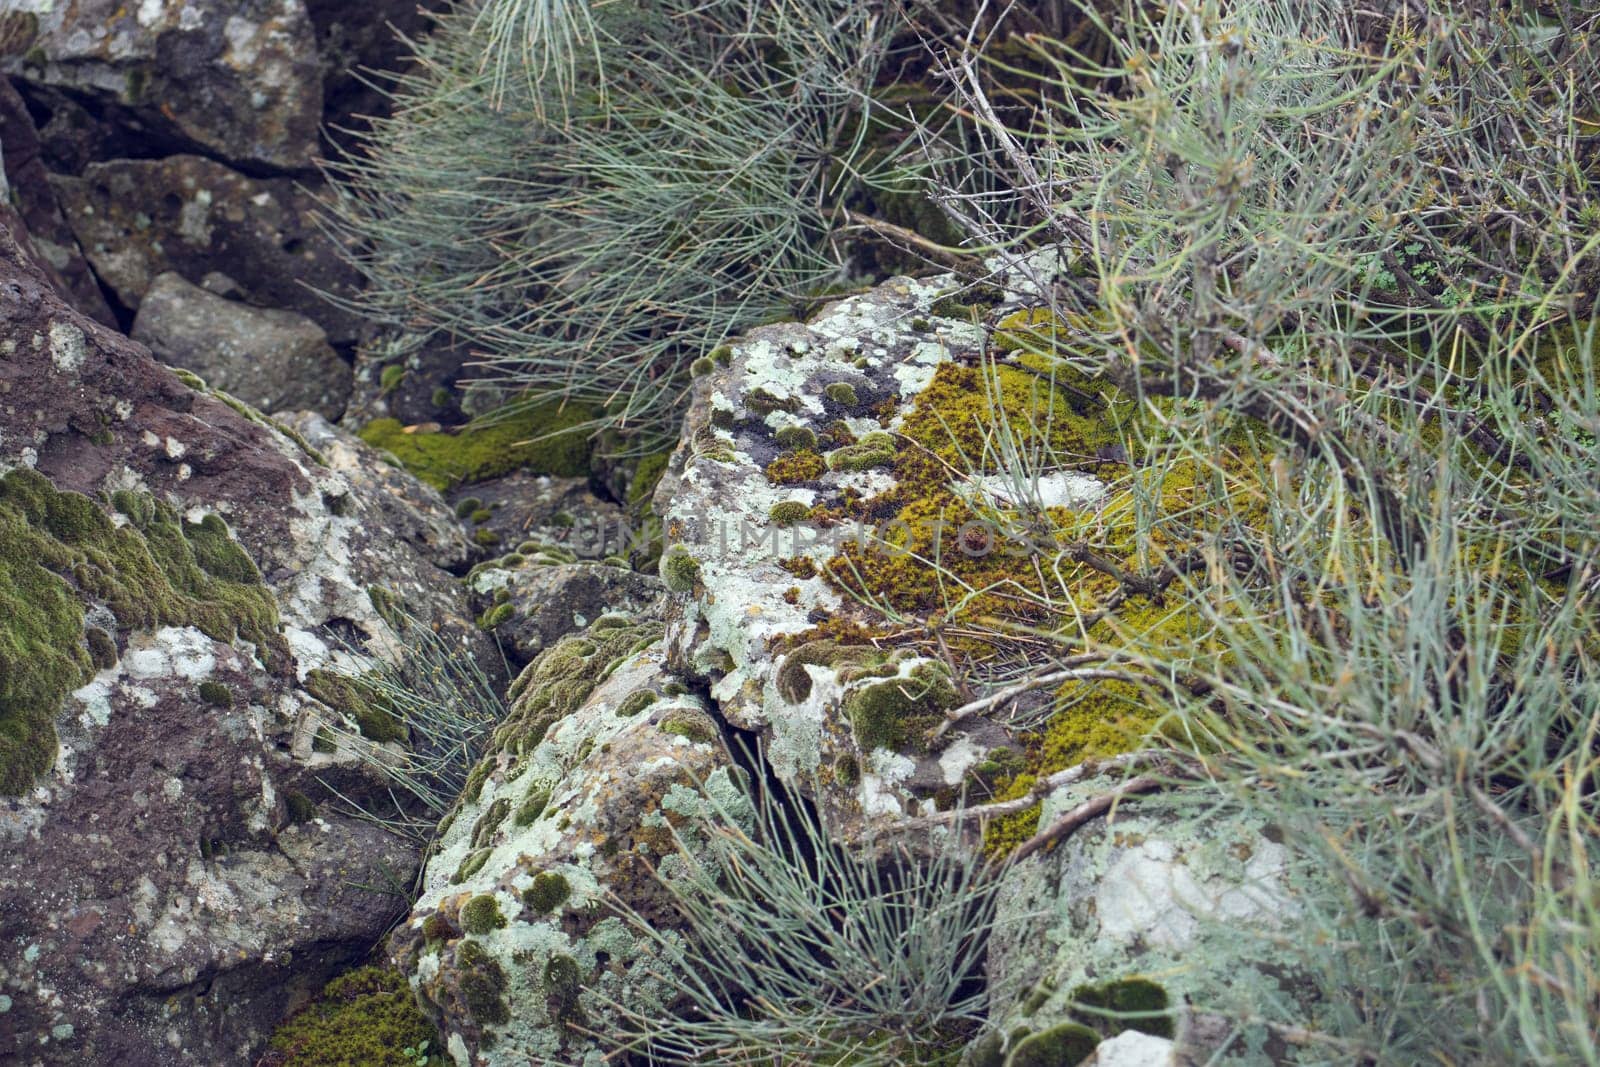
(514, 944)
(271, 359)
(793, 417)
(176, 864)
(239, 80)
(139, 218)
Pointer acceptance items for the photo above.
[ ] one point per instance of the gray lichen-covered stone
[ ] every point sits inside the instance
(179, 871)
(739, 602)
(139, 218)
(272, 359)
(240, 79)
(1184, 898)
(508, 945)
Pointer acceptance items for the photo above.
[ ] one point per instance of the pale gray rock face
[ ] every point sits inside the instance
(741, 601)
(1133, 1049)
(138, 218)
(1187, 900)
(271, 359)
(238, 78)
(507, 943)
(183, 870)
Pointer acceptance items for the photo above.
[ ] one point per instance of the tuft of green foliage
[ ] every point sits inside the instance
(366, 1018)
(658, 177)
(796, 948)
(430, 693)
(1275, 224)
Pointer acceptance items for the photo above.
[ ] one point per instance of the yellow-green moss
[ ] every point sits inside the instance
(561, 678)
(679, 570)
(471, 865)
(483, 984)
(495, 814)
(636, 701)
(795, 437)
(542, 438)
(216, 694)
(843, 394)
(897, 713)
(562, 984)
(1096, 719)
(547, 893)
(789, 512)
(301, 808)
(481, 914)
(366, 1018)
(497, 615)
(1066, 1045)
(873, 450)
(532, 806)
(691, 723)
(1125, 1004)
(792, 468)
(59, 552)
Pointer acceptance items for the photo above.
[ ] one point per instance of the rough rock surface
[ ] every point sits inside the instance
(505, 945)
(1148, 892)
(741, 602)
(410, 378)
(173, 869)
(139, 218)
(531, 601)
(239, 79)
(37, 221)
(522, 507)
(271, 359)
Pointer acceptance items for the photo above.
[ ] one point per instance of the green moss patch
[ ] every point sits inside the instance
(59, 551)
(542, 438)
(481, 914)
(358, 700)
(366, 1018)
(547, 893)
(561, 678)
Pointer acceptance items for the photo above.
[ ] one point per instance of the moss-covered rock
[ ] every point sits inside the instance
(1065, 1045)
(60, 552)
(562, 677)
(481, 914)
(541, 438)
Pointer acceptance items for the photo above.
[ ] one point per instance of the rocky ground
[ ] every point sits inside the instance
(219, 486)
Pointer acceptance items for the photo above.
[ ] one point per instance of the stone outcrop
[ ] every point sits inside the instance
(239, 80)
(508, 946)
(271, 359)
(814, 398)
(175, 865)
(139, 218)
(36, 220)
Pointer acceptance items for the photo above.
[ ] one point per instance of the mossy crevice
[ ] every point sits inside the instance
(545, 438)
(561, 678)
(366, 1018)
